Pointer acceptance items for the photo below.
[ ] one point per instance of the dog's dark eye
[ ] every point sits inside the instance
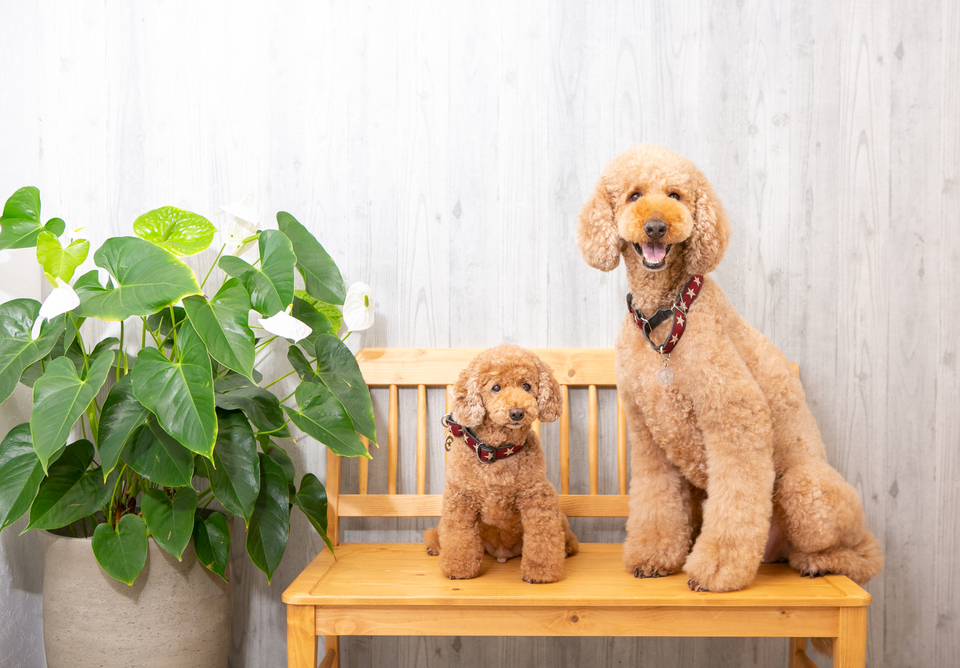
(526, 387)
(635, 196)
(675, 196)
(495, 388)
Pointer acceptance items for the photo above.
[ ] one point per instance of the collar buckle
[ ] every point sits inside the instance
(486, 453)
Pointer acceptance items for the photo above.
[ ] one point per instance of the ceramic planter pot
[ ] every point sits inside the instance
(174, 614)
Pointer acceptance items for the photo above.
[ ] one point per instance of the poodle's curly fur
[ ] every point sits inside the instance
(507, 507)
(734, 421)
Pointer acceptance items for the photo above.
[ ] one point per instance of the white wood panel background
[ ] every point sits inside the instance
(441, 152)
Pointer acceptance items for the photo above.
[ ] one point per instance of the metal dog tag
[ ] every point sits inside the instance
(665, 375)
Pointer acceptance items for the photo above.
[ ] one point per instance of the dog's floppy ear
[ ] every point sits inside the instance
(549, 401)
(465, 401)
(711, 233)
(597, 234)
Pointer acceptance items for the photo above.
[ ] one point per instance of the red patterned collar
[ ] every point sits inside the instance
(678, 311)
(485, 453)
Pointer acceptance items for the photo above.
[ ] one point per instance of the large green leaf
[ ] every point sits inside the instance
(320, 274)
(20, 474)
(60, 396)
(170, 521)
(121, 553)
(57, 261)
(175, 230)
(69, 491)
(211, 542)
(17, 350)
(155, 455)
(322, 416)
(271, 286)
(312, 500)
(222, 324)
(20, 223)
(338, 370)
(180, 392)
(269, 526)
(235, 475)
(261, 406)
(148, 279)
(121, 415)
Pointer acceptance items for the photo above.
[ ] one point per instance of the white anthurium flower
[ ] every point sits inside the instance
(358, 307)
(244, 223)
(285, 325)
(61, 300)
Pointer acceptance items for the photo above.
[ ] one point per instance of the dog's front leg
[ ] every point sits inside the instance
(658, 523)
(461, 549)
(543, 537)
(738, 438)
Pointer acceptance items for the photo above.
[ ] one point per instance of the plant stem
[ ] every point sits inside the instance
(347, 336)
(120, 353)
(264, 345)
(113, 498)
(280, 378)
(173, 326)
(212, 266)
(288, 396)
(83, 350)
(92, 417)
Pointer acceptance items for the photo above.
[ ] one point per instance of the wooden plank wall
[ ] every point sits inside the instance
(441, 152)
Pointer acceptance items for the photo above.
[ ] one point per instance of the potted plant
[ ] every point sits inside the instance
(131, 439)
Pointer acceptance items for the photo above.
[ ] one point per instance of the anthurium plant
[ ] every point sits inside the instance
(138, 434)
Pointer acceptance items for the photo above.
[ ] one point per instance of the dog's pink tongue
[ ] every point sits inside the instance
(653, 252)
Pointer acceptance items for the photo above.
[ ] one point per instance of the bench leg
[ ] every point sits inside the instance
(850, 647)
(331, 645)
(301, 636)
(798, 654)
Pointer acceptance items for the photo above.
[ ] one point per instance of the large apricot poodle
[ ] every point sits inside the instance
(497, 497)
(711, 404)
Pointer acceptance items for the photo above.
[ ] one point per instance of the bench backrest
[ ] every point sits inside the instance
(422, 369)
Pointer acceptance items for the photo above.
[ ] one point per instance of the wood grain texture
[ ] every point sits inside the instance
(404, 575)
(441, 153)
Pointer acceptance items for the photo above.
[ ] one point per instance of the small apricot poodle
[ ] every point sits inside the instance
(497, 497)
(711, 404)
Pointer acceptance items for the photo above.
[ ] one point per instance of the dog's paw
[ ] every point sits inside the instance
(652, 560)
(713, 567)
(432, 551)
(540, 573)
(460, 567)
(640, 573)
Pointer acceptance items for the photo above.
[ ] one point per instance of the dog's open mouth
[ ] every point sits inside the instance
(653, 254)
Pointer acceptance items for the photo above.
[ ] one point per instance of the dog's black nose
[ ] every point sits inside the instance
(655, 229)
(516, 414)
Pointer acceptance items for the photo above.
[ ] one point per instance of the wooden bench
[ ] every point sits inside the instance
(396, 588)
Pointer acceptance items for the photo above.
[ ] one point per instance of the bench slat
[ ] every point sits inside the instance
(416, 366)
(428, 505)
(577, 621)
